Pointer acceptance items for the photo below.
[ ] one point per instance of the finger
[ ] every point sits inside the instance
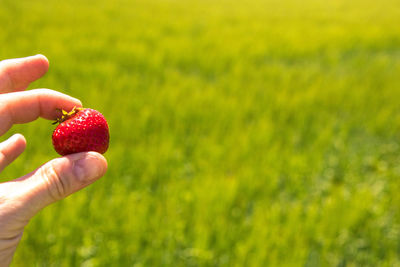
(11, 149)
(17, 74)
(58, 179)
(22, 107)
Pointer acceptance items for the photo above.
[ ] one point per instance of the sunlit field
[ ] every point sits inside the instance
(243, 133)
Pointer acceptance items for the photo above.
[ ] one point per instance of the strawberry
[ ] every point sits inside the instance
(82, 129)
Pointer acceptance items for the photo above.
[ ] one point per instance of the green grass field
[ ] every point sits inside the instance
(243, 133)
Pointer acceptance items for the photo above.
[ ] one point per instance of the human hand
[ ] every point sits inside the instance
(22, 198)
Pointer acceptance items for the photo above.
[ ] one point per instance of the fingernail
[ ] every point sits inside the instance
(89, 167)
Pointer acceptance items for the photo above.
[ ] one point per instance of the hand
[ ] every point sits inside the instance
(22, 198)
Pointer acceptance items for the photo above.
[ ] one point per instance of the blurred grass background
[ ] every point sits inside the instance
(243, 133)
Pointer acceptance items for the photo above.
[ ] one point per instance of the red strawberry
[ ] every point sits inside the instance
(82, 129)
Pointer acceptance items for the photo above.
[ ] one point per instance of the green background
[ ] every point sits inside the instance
(243, 133)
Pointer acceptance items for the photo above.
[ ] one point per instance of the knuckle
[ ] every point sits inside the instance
(44, 91)
(57, 185)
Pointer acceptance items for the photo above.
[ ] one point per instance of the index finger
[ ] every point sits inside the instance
(23, 107)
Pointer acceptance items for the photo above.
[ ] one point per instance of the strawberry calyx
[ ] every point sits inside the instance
(67, 115)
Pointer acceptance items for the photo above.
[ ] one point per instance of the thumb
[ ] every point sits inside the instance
(59, 178)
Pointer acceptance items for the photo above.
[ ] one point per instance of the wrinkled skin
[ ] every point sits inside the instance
(22, 198)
